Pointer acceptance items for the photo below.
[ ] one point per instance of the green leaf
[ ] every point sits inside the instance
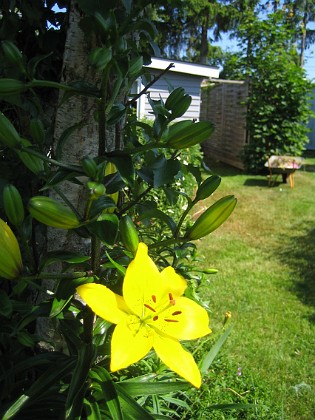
(165, 171)
(131, 409)
(135, 389)
(65, 291)
(5, 304)
(119, 267)
(159, 170)
(115, 114)
(124, 165)
(65, 136)
(16, 407)
(102, 203)
(60, 176)
(231, 406)
(210, 356)
(103, 378)
(105, 228)
(63, 256)
(158, 214)
(53, 374)
(92, 410)
(86, 355)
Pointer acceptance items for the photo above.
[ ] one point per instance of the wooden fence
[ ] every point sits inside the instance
(222, 103)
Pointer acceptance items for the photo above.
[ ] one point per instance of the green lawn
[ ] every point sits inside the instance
(265, 254)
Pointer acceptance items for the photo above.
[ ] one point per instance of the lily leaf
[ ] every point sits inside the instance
(104, 380)
(210, 356)
(152, 388)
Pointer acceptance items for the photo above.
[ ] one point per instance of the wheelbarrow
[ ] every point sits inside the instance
(284, 166)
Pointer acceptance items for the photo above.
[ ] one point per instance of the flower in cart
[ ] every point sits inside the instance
(152, 313)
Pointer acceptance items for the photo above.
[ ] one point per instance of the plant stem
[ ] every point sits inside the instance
(181, 220)
(75, 275)
(167, 242)
(50, 160)
(132, 203)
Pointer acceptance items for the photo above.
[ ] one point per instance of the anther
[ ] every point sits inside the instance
(170, 320)
(154, 298)
(172, 300)
(177, 313)
(155, 318)
(149, 307)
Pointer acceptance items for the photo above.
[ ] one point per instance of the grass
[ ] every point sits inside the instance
(265, 254)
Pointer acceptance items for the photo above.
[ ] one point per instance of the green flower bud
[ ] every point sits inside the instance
(178, 102)
(8, 134)
(207, 187)
(11, 87)
(182, 135)
(13, 54)
(129, 234)
(37, 130)
(96, 189)
(52, 213)
(33, 163)
(13, 205)
(89, 166)
(212, 218)
(10, 256)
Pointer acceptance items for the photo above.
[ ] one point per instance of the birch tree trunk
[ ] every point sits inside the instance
(77, 112)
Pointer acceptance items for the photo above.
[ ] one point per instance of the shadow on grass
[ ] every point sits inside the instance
(300, 255)
(258, 182)
(219, 168)
(308, 168)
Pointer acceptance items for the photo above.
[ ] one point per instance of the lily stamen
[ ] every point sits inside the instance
(172, 300)
(149, 307)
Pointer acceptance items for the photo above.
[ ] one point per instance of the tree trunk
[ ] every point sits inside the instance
(303, 37)
(204, 48)
(82, 142)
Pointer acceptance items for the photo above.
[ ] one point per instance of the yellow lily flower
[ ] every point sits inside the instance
(151, 314)
(10, 256)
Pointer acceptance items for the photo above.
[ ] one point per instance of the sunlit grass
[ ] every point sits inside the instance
(265, 254)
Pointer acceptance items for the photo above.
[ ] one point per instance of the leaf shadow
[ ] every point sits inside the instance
(300, 256)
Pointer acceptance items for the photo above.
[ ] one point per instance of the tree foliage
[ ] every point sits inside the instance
(278, 103)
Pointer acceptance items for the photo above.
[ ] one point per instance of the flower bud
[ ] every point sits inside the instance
(89, 166)
(52, 213)
(181, 136)
(212, 218)
(207, 187)
(13, 205)
(8, 134)
(129, 234)
(37, 130)
(10, 256)
(96, 189)
(33, 163)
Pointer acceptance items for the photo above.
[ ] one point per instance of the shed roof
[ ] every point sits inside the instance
(184, 67)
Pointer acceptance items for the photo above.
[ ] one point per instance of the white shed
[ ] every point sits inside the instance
(182, 74)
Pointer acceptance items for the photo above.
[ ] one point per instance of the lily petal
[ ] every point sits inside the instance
(103, 302)
(142, 281)
(176, 358)
(185, 320)
(131, 341)
(175, 283)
